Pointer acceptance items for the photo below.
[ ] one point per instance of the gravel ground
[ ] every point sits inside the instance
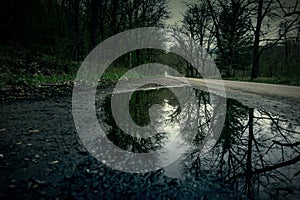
(41, 157)
(282, 100)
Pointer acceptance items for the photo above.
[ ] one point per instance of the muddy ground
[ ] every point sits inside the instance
(41, 157)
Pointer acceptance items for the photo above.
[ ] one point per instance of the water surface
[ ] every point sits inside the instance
(256, 154)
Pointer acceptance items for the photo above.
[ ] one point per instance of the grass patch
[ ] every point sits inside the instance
(37, 79)
(57, 79)
(114, 74)
(22, 67)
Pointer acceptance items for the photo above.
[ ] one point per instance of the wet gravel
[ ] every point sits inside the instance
(41, 157)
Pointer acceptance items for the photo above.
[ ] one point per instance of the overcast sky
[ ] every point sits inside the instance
(177, 8)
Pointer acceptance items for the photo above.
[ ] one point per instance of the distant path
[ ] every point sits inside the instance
(282, 100)
(270, 90)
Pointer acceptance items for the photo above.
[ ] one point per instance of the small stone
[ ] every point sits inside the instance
(1, 155)
(93, 171)
(54, 162)
(35, 186)
(34, 131)
(12, 186)
(40, 182)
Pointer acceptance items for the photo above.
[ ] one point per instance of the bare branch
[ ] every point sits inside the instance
(269, 168)
(281, 35)
(288, 14)
(287, 144)
(292, 13)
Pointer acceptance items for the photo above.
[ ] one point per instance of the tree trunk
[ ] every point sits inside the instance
(93, 22)
(256, 53)
(249, 154)
(77, 53)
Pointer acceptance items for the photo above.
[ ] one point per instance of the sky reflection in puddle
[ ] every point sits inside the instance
(258, 153)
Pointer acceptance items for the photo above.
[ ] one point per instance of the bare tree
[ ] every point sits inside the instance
(197, 22)
(231, 21)
(262, 10)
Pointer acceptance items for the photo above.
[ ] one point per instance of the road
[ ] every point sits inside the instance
(282, 100)
(270, 90)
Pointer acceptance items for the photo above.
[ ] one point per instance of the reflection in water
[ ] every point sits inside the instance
(258, 153)
(163, 103)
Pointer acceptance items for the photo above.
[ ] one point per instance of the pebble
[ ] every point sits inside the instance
(34, 131)
(54, 162)
(12, 186)
(91, 171)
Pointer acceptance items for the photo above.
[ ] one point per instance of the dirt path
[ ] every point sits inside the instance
(282, 100)
(267, 90)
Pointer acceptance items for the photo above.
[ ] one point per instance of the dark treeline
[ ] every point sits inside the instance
(71, 28)
(246, 38)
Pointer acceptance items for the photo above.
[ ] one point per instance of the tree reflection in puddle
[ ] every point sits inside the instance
(258, 153)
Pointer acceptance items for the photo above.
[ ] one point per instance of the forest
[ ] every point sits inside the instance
(248, 39)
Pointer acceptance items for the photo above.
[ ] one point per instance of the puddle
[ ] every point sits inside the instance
(257, 153)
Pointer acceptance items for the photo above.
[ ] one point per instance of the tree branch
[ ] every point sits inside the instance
(269, 168)
(292, 13)
(286, 144)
